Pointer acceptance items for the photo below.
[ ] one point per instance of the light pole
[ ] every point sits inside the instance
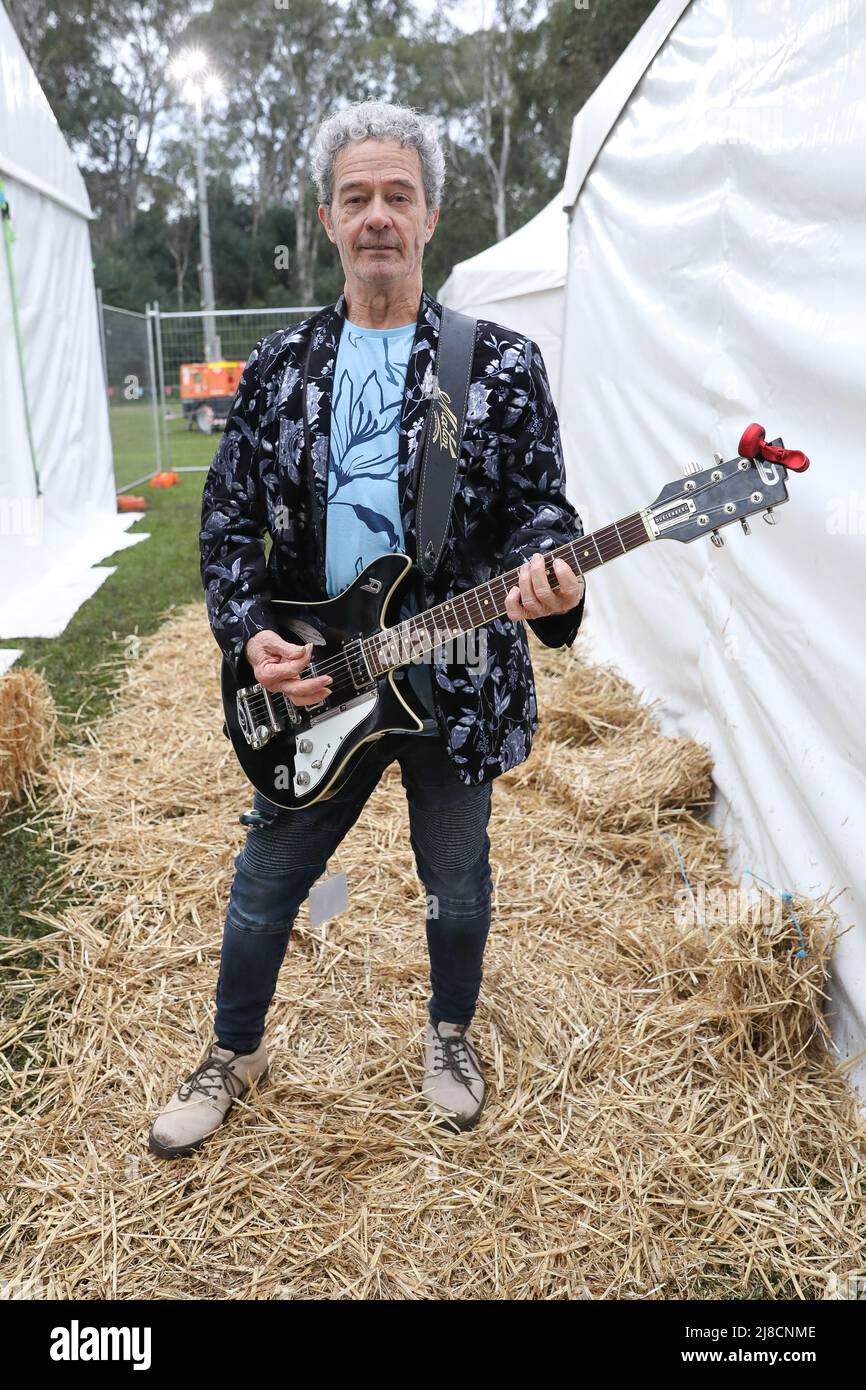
(191, 69)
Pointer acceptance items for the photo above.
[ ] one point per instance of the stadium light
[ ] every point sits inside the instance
(190, 68)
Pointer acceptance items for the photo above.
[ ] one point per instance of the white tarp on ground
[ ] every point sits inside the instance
(74, 523)
(8, 657)
(716, 253)
(519, 282)
(55, 575)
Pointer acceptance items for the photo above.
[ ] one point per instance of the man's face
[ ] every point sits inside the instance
(378, 217)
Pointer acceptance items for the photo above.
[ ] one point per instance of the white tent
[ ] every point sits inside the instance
(58, 509)
(716, 254)
(519, 282)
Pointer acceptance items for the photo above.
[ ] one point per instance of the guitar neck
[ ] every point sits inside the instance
(426, 631)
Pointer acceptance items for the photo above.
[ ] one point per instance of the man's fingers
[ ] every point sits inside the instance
(293, 650)
(534, 597)
(284, 669)
(528, 577)
(303, 690)
(307, 692)
(286, 661)
(540, 581)
(512, 605)
(571, 585)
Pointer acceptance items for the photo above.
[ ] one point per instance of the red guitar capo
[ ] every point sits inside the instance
(752, 446)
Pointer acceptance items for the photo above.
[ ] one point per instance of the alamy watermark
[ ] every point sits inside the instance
(77, 1343)
(846, 516)
(726, 906)
(26, 1287)
(409, 648)
(846, 1286)
(22, 516)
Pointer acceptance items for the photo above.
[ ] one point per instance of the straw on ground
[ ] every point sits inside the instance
(666, 1119)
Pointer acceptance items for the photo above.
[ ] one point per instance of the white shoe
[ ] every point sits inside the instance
(453, 1083)
(203, 1100)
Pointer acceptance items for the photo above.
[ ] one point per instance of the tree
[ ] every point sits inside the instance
(505, 97)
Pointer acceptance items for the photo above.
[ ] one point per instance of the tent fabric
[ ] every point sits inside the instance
(52, 568)
(716, 248)
(520, 283)
(599, 113)
(529, 261)
(32, 149)
(70, 520)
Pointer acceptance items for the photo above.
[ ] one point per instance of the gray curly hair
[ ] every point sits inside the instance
(381, 121)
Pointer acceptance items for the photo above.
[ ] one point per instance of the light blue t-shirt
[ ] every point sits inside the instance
(363, 501)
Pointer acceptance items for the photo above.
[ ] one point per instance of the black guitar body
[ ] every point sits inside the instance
(295, 755)
(306, 753)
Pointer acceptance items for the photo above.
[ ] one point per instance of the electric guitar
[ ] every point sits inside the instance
(296, 755)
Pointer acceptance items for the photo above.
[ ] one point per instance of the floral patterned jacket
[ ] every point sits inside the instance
(509, 501)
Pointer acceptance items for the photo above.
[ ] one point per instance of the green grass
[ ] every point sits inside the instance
(132, 438)
(83, 664)
(150, 580)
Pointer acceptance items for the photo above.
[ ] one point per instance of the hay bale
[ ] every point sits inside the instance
(27, 727)
(625, 784)
(665, 1118)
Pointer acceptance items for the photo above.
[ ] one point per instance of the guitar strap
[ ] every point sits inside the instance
(443, 433)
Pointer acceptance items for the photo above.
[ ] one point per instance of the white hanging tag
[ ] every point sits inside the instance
(328, 898)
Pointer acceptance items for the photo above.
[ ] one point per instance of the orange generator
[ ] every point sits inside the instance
(207, 390)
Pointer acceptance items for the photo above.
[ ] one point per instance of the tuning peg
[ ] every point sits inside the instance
(745, 525)
(769, 518)
(717, 540)
(690, 468)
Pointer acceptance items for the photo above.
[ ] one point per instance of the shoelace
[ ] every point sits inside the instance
(201, 1082)
(454, 1057)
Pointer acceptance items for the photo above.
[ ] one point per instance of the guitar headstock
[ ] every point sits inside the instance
(711, 498)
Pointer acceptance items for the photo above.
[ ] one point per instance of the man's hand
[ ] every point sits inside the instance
(532, 596)
(277, 665)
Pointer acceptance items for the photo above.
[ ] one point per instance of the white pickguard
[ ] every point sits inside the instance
(327, 738)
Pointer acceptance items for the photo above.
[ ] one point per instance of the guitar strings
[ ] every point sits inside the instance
(630, 529)
(628, 532)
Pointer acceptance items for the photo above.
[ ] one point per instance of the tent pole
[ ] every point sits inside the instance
(159, 363)
(102, 336)
(100, 307)
(154, 394)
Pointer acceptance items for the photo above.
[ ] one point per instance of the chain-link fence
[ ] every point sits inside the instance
(196, 391)
(162, 387)
(133, 396)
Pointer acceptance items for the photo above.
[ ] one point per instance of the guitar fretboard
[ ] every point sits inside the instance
(426, 631)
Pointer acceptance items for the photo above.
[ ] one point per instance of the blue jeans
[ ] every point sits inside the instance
(280, 863)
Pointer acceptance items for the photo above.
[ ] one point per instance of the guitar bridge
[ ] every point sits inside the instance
(258, 717)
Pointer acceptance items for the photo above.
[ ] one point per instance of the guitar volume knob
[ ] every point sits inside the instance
(305, 745)
(303, 779)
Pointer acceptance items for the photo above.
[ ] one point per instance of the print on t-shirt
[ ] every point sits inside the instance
(363, 499)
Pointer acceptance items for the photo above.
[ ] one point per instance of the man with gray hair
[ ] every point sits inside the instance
(320, 451)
